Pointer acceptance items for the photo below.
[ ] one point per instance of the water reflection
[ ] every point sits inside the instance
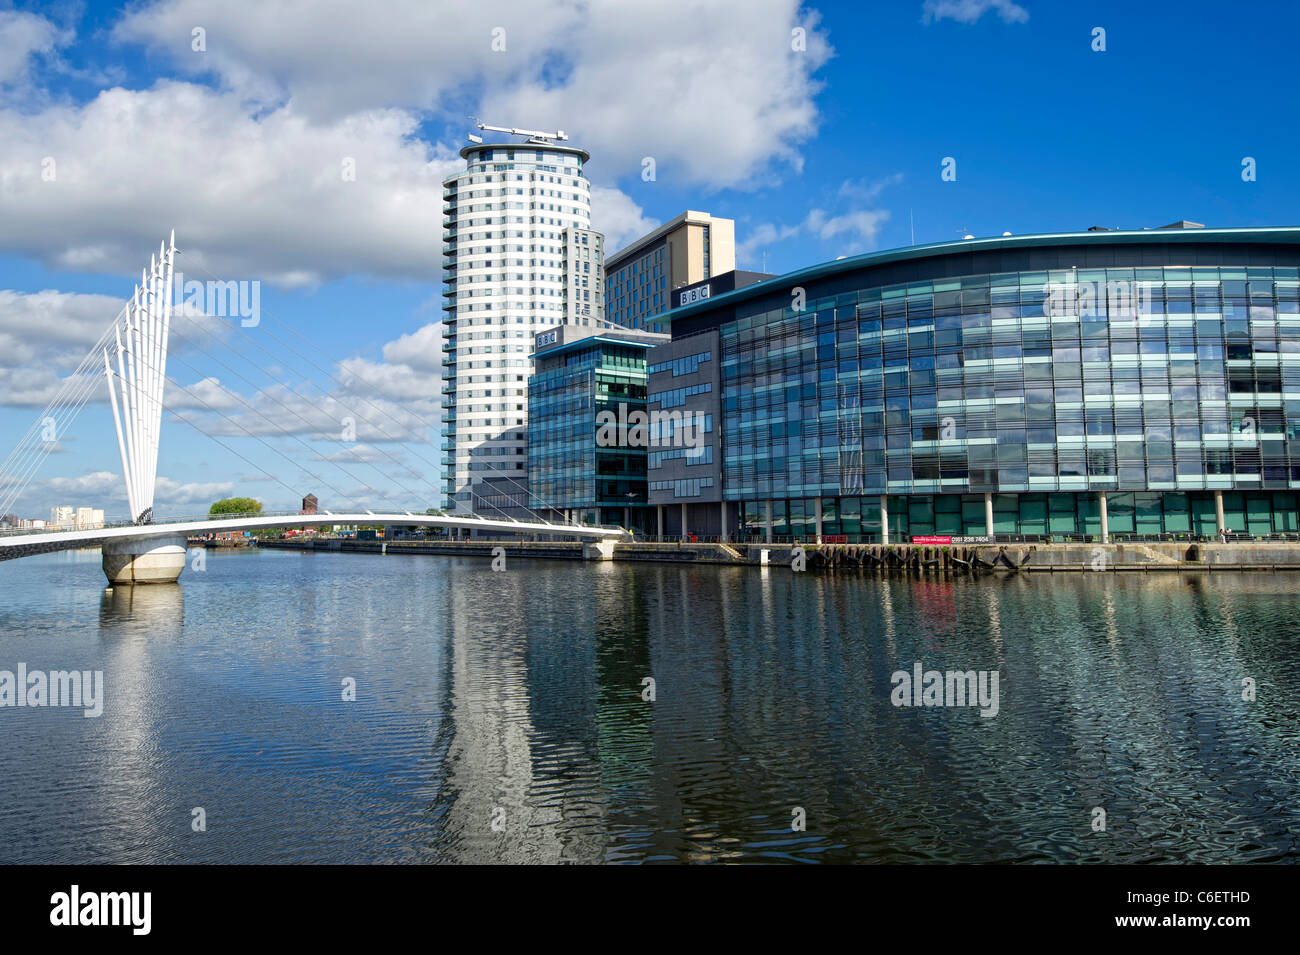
(152, 610)
(502, 716)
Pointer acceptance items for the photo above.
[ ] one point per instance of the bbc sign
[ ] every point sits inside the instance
(547, 338)
(691, 295)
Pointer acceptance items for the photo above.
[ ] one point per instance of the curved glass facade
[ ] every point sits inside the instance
(1158, 385)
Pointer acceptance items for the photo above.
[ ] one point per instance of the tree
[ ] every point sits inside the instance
(236, 505)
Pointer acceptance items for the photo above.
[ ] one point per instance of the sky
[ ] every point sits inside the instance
(822, 129)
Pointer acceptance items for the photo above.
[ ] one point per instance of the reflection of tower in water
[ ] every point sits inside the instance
(492, 817)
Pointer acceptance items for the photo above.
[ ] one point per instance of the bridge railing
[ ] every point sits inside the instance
(324, 519)
(109, 525)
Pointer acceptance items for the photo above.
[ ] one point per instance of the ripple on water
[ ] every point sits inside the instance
(503, 716)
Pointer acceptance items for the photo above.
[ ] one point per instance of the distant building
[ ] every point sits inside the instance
(63, 516)
(309, 504)
(640, 278)
(88, 517)
(586, 454)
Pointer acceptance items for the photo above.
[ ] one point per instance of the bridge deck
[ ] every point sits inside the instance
(44, 542)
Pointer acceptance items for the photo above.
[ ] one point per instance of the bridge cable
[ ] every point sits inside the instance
(396, 462)
(265, 314)
(62, 410)
(341, 494)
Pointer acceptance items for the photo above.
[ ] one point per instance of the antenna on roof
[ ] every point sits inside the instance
(533, 135)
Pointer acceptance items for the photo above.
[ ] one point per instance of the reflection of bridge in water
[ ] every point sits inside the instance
(134, 354)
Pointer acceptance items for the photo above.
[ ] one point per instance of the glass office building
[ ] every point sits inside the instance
(580, 467)
(1030, 380)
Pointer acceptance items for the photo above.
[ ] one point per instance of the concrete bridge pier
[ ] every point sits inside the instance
(149, 560)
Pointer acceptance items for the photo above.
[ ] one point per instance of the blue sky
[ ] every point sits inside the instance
(827, 150)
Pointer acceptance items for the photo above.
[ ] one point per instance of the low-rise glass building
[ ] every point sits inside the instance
(585, 462)
(1143, 383)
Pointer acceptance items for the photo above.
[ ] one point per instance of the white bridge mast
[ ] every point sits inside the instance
(135, 385)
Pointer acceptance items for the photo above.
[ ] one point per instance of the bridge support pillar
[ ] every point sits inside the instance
(150, 560)
(598, 550)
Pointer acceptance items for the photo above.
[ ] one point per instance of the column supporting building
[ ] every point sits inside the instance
(723, 535)
(817, 518)
(884, 518)
(1220, 525)
(659, 520)
(988, 513)
(767, 521)
(1105, 518)
(683, 520)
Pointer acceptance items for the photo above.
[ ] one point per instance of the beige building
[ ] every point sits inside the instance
(76, 518)
(640, 278)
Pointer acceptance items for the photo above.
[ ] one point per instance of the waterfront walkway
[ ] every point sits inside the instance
(921, 558)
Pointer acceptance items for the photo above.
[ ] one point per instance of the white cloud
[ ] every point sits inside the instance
(715, 91)
(850, 232)
(251, 173)
(250, 197)
(969, 11)
(43, 338)
(860, 227)
(420, 350)
(104, 489)
(619, 218)
(22, 36)
(169, 492)
(207, 394)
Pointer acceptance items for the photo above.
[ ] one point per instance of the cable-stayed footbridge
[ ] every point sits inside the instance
(134, 354)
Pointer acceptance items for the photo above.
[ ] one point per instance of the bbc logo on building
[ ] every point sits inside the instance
(693, 295)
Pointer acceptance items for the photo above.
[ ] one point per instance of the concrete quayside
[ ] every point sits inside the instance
(955, 559)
